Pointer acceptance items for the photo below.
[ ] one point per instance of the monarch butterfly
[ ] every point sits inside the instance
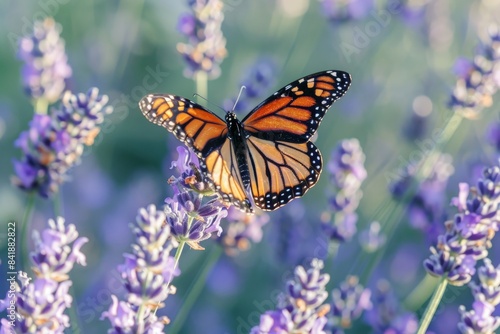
(267, 159)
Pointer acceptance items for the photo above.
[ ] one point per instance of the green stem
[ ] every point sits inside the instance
(432, 306)
(23, 245)
(420, 293)
(58, 204)
(195, 289)
(201, 80)
(178, 253)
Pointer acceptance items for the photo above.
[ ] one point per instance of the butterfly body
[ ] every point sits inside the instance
(236, 133)
(268, 156)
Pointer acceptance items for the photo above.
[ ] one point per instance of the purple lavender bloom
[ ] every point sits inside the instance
(241, 230)
(488, 288)
(493, 136)
(54, 143)
(123, 318)
(479, 319)
(343, 11)
(193, 226)
(45, 62)
(258, 79)
(348, 303)
(386, 316)
(187, 166)
(479, 79)
(426, 206)
(347, 173)
(301, 309)
(40, 305)
(468, 237)
(53, 257)
(147, 274)
(487, 296)
(206, 47)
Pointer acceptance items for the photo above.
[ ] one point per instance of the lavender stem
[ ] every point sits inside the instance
(432, 306)
(24, 254)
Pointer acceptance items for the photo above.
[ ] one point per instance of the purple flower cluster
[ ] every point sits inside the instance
(301, 310)
(55, 142)
(192, 221)
(479, 79)
(348, 303)
(468, 236)
(386, 315)
(45, 62)
(147, 275)
(206, 47)
(343, 11)
(190, 218)
(187, 165)
(426, 205)
(347, 173)
(486, 297)
(258, 79)
(40, 305)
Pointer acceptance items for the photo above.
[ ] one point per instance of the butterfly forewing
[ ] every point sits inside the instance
(200, 129)
(294, 112)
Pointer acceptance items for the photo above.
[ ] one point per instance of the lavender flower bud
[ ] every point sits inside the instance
(45, 62)
(301, 310)
(206, 47)
(347, 172)
(54, 143)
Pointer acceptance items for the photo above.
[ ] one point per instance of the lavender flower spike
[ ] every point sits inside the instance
(55, 142)
(348, 302)
(147, 274)
(347, 173)
(206, 47)
(301, 309)
(54, 257)
(478, 79)
(190, 220)
(468, 237)
(45, 62)
(487, 296)
(41, 304)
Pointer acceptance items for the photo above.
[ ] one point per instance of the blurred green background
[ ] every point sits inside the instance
(114, 45)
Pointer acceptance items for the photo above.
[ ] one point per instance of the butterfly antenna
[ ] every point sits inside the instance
(239, 95)
(201, 97)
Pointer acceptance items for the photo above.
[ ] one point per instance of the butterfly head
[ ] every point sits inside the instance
(231, 117)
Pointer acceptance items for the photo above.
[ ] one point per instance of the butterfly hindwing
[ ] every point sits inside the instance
(222, 167)
(294, 113)
(281, 171)
(206, 134)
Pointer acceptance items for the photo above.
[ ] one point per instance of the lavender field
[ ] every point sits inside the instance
(111, 224)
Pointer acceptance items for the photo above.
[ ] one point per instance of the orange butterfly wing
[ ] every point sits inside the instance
(283, 164)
